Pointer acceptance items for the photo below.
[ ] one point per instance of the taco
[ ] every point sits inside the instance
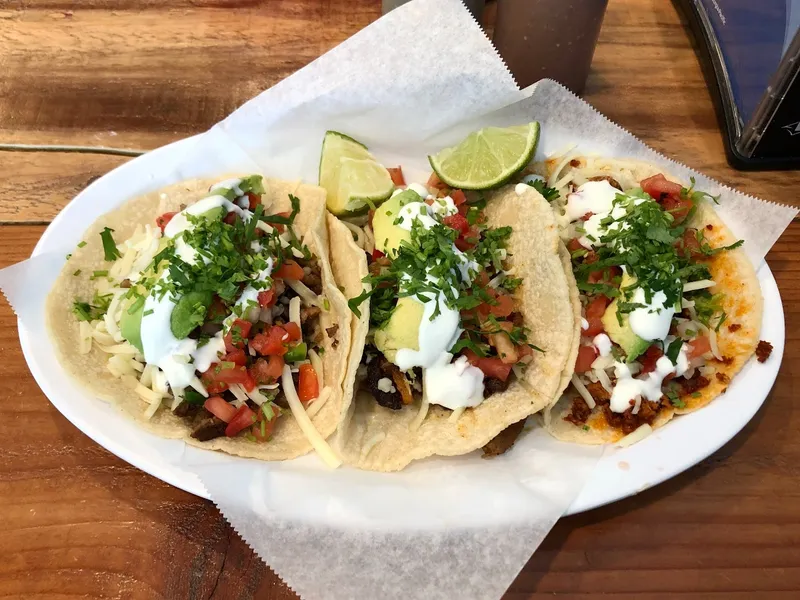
(207, 312)
(671, 305)
(466, 322)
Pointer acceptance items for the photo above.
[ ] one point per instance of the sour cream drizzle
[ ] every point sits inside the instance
(450, 384)
(179, 359)
(629, 391)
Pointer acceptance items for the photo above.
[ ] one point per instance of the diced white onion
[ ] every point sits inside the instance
(604, 379)
(257, 396)
(123, 348)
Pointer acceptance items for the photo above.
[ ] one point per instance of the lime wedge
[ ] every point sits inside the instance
(487, 158)
(362, 183)
(350, 175)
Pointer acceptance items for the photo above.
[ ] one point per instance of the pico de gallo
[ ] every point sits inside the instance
(649, 317)
(212, 311)
(445, 327)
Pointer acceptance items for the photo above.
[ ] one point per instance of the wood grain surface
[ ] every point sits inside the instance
(80, 523)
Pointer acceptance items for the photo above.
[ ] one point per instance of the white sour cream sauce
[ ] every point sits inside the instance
(630, 389)
(651, 322)
(450, 384)
(179, 359)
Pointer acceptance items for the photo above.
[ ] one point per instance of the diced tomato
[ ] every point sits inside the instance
(220, 409)
(235, 374)
(586, 356)
(573, 245)
(293, 330)
(308, 384)
(289, 270)
(650, 358)
(503, 308)
(491, 367)
(698, 346)
(266, 298)
(236, 356)
(273, 342)
(594, 315)
(678, 207)
(458, 222)
(435, 182)
(243, 419)
(214, 387)
(164, 219)
(689, 245)
(230, 218)
(482, 279)
(429, 201)
(458, 197)
(253, 200)
(587, 216)
(468, 240)
(605, 275)
(376, 254)
(658, 187)
(267, 370)
(262, 428)
(237, 335)
(396, 173)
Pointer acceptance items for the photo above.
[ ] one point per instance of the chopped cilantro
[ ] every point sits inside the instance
(77, 272)
(549, 193)
(81, 244)
(109, 247)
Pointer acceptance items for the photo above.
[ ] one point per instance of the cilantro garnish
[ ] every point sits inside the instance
(549, 193)
(109, 246)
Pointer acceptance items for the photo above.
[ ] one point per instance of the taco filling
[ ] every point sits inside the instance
(651, 309)
(444, 325)
(213, 314)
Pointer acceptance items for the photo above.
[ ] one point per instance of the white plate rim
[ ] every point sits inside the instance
(609, 482)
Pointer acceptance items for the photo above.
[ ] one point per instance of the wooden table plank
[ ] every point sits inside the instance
(79, 522)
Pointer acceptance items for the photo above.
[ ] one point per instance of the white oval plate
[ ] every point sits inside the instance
(621, 472)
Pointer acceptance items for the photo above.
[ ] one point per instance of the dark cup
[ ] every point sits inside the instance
(475, 6)
(553, 39)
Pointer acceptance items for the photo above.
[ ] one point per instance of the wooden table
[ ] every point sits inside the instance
(79, 522)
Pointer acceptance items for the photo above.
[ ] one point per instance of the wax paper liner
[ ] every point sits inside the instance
(411, 83)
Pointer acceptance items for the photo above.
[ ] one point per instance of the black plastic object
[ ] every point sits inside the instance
(753, 72)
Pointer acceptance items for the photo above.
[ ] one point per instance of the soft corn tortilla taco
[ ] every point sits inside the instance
(377, 437)
(250, 342)
(716, 322)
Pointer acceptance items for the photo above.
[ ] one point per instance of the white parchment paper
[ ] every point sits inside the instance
(413, 82)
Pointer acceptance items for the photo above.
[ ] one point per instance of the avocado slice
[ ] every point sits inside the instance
(189, 312)
(402, 329)
(130, 326)
(388, 236)
(623, 334)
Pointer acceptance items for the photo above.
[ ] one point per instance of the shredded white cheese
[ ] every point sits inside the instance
(576, 381)
(325, 452)
(693, 286)
(294, 311)
(456, 415)
(316, 405)
(371, 443)
(635, 436)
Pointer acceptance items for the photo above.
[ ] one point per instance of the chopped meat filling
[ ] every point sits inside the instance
(377, 369)
(612, 182)
(579, 412)
(734, 327)
(763, 350)
(501, 443)
(493, 385)
(208, 429)
(690, 386)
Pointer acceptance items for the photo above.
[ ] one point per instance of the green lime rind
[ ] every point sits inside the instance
(487, 158)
